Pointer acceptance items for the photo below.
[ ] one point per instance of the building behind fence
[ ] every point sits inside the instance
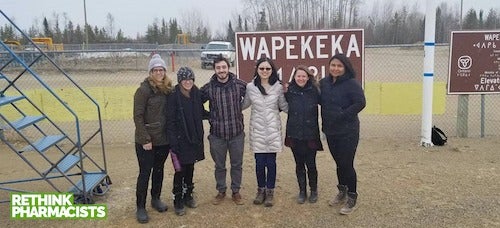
(393, 86)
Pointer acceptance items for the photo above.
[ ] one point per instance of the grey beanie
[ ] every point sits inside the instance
(185, 73)
(156, 61)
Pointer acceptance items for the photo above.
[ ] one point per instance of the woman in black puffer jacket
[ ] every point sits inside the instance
(342, 98)
(302, 130)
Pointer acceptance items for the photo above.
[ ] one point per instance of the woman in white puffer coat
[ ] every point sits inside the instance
(265, 95)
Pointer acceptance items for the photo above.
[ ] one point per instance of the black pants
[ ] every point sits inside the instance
(305, 157)
(183, 178)
(343, 149)
(150, 160)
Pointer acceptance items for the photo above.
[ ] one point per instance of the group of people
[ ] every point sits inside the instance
(168, 119)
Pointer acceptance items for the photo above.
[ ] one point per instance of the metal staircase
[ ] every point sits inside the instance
(67, 156)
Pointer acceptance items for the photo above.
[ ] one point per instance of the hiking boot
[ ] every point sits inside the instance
(237, 199)
(158, 205)
(179, 205)
(313, 198)
(302, 197)
(340, 197)
(219, 198)
(142, 215)
(350, 204)
(268, 202)
(261, 195)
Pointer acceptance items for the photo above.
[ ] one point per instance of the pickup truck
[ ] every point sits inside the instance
(215, 48)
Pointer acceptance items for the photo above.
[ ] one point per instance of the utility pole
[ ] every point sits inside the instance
(86, 25)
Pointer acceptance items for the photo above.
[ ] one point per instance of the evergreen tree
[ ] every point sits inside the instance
(230, 33)
(470, 21)
(173, 31)
(262, 25)
(120, 38)
(240, 24)
(46, 28)
(492, 20)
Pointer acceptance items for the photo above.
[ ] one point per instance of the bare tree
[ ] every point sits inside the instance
(192, 23)
(110, 25)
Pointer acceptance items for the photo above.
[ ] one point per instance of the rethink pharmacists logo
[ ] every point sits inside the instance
(25, 206)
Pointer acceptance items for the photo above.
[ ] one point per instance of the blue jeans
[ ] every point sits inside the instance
(219, 148)
(263, 161)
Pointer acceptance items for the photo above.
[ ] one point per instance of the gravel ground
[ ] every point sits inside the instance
(400, 185)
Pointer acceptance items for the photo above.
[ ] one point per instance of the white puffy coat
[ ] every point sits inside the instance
(265, 120)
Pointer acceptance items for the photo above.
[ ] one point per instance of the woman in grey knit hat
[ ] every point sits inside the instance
(151, 143)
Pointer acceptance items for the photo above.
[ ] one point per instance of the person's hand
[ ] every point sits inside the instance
(285, 87)
(147, 146)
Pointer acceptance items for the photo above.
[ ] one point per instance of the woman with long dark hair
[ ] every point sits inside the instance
(342, 98)
(265, 95)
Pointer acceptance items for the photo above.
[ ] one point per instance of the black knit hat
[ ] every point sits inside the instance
(185, 73)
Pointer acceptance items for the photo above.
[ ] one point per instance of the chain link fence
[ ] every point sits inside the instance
(393, 85)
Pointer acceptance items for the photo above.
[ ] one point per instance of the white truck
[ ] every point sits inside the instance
(215, 48)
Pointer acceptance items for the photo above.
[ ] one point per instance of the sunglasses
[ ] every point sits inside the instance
(265, 68)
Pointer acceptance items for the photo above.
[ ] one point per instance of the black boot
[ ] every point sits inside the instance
(301, 179)
(142, 215)
(179, 204)
(350, 204)
(313, 184)
(157, 204)
(189, 201)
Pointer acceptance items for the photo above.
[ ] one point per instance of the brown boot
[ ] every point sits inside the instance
(341, 197)
(350, 204)
(219, 198)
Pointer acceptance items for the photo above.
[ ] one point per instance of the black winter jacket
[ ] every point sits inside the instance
(302, 122)
(340, 104)
(184, 125)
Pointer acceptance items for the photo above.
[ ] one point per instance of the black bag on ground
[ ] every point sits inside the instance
(438, 137)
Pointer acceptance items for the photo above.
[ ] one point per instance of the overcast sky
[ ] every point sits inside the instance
(132, 16)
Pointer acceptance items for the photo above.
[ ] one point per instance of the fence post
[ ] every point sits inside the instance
(462, 115)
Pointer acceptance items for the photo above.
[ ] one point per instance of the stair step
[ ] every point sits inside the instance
(26, 121)
(7, 100)
(44, 143)
(91, 181)
(67, 163)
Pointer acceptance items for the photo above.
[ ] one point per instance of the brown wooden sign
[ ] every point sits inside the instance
(288, 49)
(474, 66)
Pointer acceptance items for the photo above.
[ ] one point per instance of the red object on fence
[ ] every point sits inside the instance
(172, 57)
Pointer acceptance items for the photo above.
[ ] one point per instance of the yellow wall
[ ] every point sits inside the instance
(402, 98)
(117, 102)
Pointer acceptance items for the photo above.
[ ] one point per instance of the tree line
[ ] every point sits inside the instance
(383, 24)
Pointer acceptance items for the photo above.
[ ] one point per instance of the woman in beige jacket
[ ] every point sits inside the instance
(265, 95)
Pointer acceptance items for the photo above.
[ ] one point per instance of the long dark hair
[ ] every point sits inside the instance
(272, 79)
